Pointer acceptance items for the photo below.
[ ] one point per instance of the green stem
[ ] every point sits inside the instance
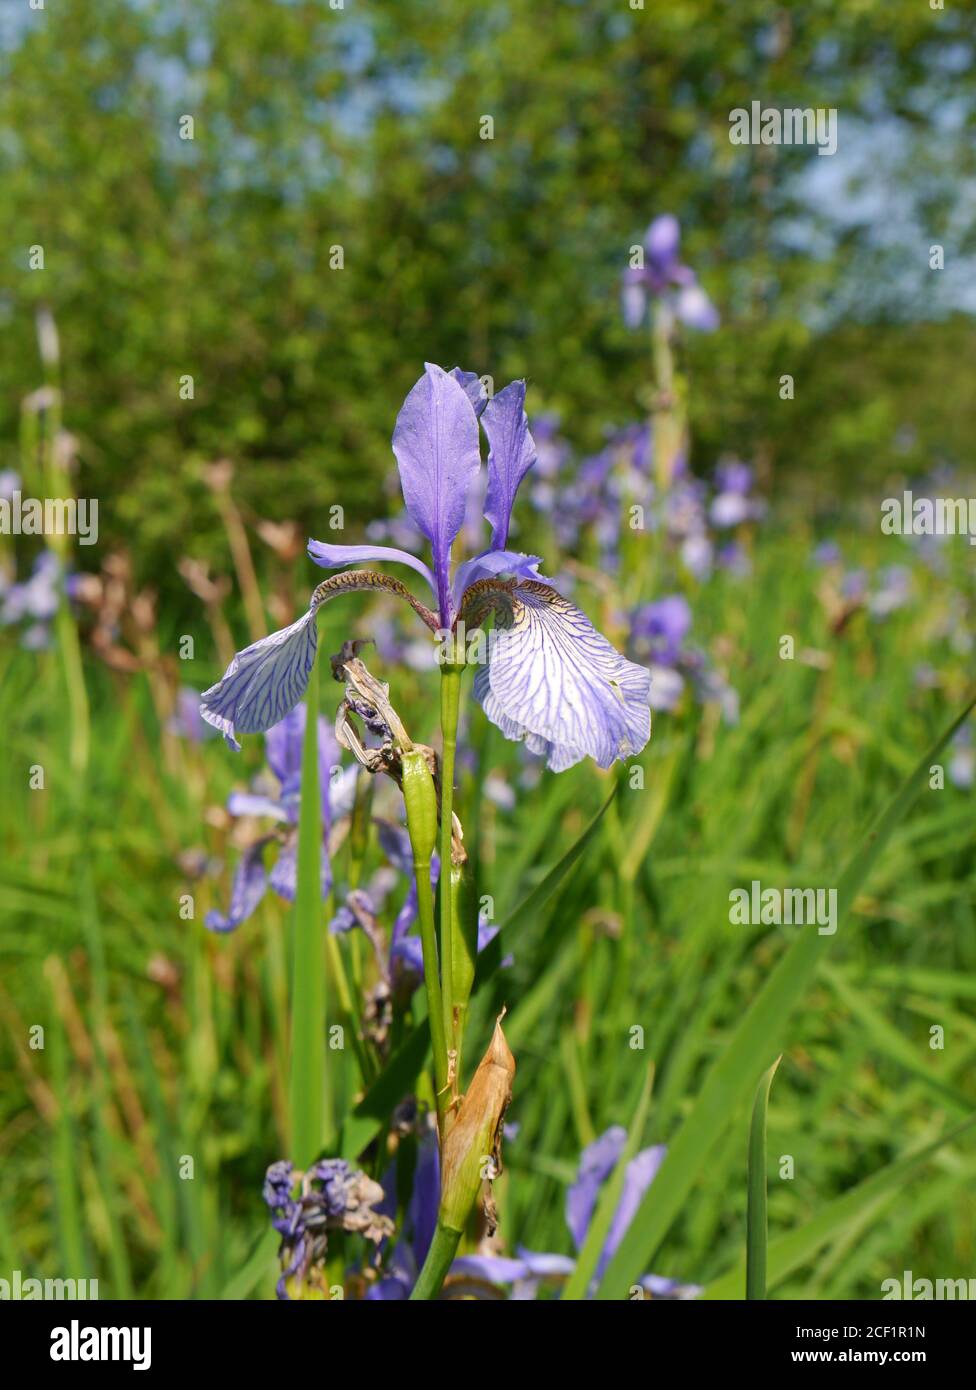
(307, 1085)
(450, 701)
(439, 1257)
(435, 1008)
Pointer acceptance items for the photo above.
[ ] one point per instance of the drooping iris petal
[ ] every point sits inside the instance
(331, 557)
(633, 301)
(491, 564)
(638, 1176)
(493, 1269)
(473, 389)
(597, 1162)
(511, 454)
(554, 681)
(247, 890)
(438, 454)
(263, 682)
(251, 804)
(696, 309)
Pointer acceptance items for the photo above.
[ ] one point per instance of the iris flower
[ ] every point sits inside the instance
(283, 744)
(663, 277)
(550, 679)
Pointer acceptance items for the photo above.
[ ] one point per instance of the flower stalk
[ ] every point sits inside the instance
(451, 947)
(420, 798)
(307, 1084)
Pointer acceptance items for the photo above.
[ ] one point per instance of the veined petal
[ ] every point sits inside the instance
(247, 890)
(511, 454)
(333, 557)
(263, 682)
(554, 681)
(438, 453)
(268, 679)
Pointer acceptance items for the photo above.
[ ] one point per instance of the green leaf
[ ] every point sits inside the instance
(491, 957)
(759, 1032)
(757, 1226)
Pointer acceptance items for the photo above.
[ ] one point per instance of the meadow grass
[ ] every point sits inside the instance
(167, 1050)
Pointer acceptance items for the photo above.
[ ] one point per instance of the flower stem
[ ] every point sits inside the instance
(307, 1083)
(435, 1008)
(450, 701)
(439, 1257)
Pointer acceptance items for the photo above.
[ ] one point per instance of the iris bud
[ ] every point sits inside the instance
(420, 798)
(471, 1146)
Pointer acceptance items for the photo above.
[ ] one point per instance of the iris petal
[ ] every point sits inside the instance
(511, 455)
(554, 681)
(331, 557)
(263, 682)
(438, 453)
(597, 1162)
(246, 892)
(473, 389)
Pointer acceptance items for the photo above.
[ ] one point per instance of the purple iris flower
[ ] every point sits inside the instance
(663, 277)
(283, 744)
(732, 505)
(663, 626)
(528, 1269)
(658, 633)
(37, 597)
(550, 679)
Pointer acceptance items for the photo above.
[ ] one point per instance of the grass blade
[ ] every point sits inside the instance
(794, 1249)
(757, 1225)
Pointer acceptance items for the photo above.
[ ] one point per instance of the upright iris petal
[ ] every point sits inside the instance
(473, 389)
(438, 453)
(511, 455)
(554, 681)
